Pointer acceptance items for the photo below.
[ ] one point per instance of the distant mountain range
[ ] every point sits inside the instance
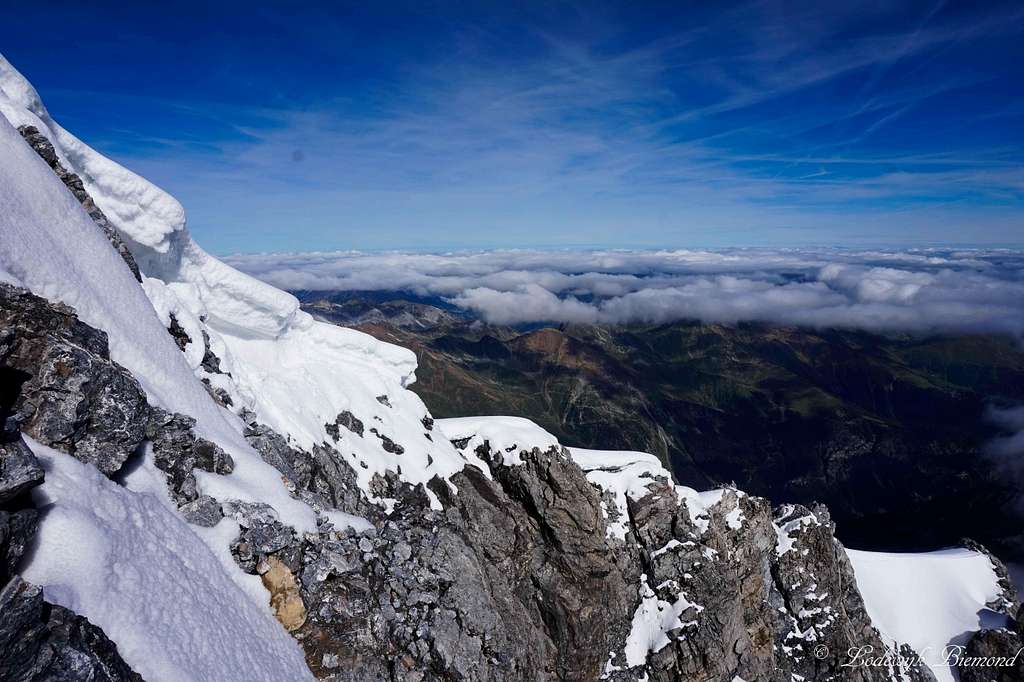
(888, 431)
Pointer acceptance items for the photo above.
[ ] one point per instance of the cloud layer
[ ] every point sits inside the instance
(881, 290)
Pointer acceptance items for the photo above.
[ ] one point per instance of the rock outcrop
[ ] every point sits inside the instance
(45, 150)
(38, 640)
(992, 655)
(41, 641)
(517, 578)
(59, 379)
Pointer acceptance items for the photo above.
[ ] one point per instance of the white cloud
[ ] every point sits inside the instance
(879, 290)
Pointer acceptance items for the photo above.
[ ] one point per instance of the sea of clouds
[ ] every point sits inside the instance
(914, 290)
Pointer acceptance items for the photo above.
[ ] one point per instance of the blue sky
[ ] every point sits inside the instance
(448, 125)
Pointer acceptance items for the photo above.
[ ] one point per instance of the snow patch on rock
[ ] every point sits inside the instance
(505, 435)
(653, 622)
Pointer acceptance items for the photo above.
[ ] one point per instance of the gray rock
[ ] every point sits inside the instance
(203, 511)
(40, 641)
(16, 531)
(19, 470)
(999, 650)
(45, 150)
(69, 394)
(349, 421)
(322, 472)
(177, 451)
(181, 338)
(211, 363)
(388, 444)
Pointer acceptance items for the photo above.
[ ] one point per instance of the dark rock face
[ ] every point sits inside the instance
(211, 363)
(992, 656)
(349, 421)
(59, 378)
(19, 469)
(177, 451)
(42, 146)
(388, 444)
(40, 641)
(516, 579)
(321, 477)
(181, 337)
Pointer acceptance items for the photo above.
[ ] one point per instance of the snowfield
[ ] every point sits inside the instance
(928, 600)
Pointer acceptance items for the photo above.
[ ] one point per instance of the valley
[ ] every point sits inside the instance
(889, 431)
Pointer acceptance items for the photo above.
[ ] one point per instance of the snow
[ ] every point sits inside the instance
(652, 622)
(927, 600)
(295, 373)
(623, 473)
(50, 246)
(734, 519)
(785, 541)
(128, 563)
(699, 503)
(341, 520)
(505, 435)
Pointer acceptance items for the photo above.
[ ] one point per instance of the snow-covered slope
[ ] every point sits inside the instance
(49, 245)
(294, 373)
(129, 563)
(930, 600)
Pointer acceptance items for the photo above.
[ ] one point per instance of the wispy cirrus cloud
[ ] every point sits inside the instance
(745, 123)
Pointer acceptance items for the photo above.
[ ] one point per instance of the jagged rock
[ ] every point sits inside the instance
(349, 421)
(990, 656)
(285, 599)
(16, 530)
(181, 337)
(177, 451)
(202, 511)
(42, 146)
(518, 579)
(19, 470)
(388, 444)
(322, 472)
(69, 394)
(219, 395)
(383, 400)
(41, 641)
(262, 534)
(211, 363)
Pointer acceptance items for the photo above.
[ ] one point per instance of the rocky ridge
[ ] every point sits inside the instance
(516, 577)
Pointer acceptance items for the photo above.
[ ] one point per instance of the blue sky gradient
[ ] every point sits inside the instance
(441, 125)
